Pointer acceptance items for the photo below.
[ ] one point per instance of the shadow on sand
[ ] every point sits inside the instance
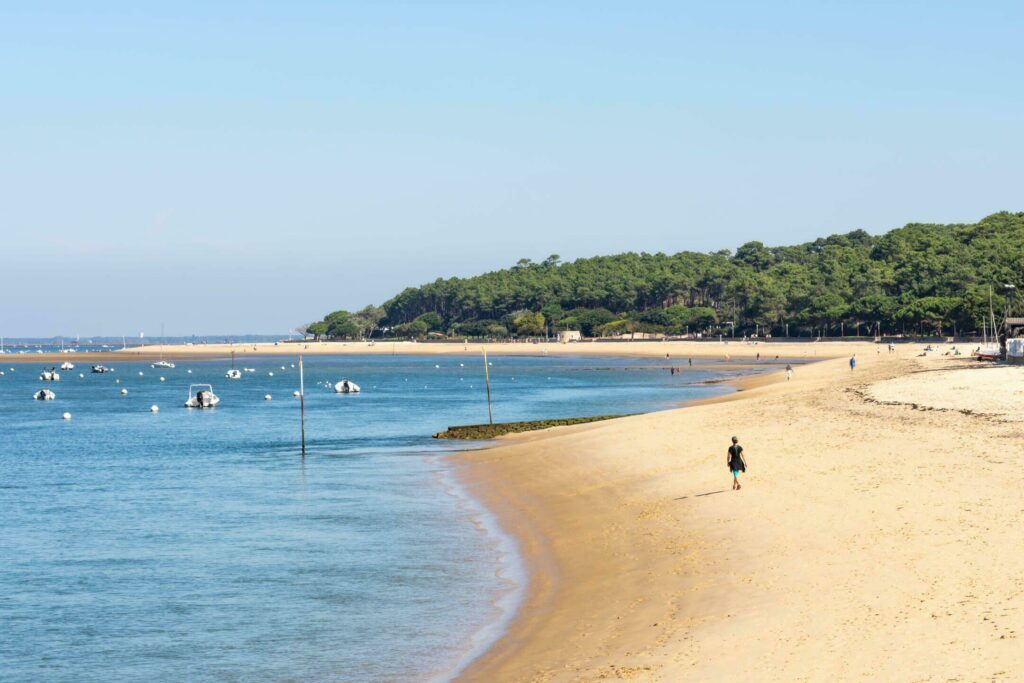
(700, 495)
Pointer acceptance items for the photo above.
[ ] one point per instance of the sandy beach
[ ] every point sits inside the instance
(678, 351)
(877, 535)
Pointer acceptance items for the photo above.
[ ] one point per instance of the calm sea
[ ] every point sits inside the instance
(198, 545)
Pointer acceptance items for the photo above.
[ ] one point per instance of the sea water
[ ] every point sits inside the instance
(200, 545)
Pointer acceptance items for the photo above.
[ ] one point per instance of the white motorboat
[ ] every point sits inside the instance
(67, 365)
(346, 386)
(44, 395)
(163, 364)
(201, 396)
(50, 375)
(100, 369)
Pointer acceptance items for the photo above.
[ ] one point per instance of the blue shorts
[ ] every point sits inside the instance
(736, 473)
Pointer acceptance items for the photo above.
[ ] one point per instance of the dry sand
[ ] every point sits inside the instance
(677, 351)
(878, 535)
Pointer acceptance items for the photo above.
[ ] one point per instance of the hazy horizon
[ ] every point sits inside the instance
(253, 167)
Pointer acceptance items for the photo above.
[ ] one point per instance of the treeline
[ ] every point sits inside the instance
(919, 279)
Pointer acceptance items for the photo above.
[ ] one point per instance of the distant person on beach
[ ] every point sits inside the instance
(789, 372)
(853, 362)
(736, 463)
(690, 361)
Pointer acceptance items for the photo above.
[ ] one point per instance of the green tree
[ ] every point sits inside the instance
(529, 324)
(317, 329)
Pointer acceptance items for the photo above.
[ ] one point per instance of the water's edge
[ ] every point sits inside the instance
(510, 572)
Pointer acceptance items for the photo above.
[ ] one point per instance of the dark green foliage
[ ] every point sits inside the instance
(340, 325)
(496, 430)
(916, 279)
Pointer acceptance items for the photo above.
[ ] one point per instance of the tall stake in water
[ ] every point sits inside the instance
(487, 382)
(302, 404)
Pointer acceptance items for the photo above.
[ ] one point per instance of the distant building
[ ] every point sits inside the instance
(566, 336)
(1015, 347)
(1015, 351)
(638, 336)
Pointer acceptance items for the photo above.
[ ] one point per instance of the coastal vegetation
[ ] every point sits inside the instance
(493, 431)
(918, 279)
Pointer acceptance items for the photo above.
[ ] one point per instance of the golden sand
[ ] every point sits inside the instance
(878, 534)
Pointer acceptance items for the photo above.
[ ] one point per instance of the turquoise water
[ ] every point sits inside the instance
(199, 545)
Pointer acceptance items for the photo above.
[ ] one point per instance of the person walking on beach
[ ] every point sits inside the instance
(853, 362)
(736, 463)
(789, 372)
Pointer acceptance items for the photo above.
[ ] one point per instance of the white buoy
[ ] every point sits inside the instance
(67, 416)
(437, 366)
(81, 375)
(267, 397)
(117, 381)
(124, 392)
(270, 374)
(283, 368)
(296, 394)
(162, 379)
(462, 365)
(293, 365)
(140, 373)
(190, 372)
(154, 409)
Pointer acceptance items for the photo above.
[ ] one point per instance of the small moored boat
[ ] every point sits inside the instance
(163, 364)
(100, 369)
(201, 396)
(346, 386)
(233, 373)
(44, 395)
(50, 375)
(67, 365)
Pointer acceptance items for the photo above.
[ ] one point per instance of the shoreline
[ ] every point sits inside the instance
(537, 568)
(677, 351)
(642, 563)
(509, 569)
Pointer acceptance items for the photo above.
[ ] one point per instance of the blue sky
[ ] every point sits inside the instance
(251, 166)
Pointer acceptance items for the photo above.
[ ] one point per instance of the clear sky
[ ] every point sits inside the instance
(248, 166)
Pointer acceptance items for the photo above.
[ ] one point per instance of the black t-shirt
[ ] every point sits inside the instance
(735, 462)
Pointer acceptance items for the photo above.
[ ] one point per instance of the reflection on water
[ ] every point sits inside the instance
(198, 545)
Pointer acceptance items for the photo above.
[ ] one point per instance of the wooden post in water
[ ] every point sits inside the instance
(302, 404)
(487, 382)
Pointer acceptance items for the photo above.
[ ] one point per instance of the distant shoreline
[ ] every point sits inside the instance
(677, 350)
